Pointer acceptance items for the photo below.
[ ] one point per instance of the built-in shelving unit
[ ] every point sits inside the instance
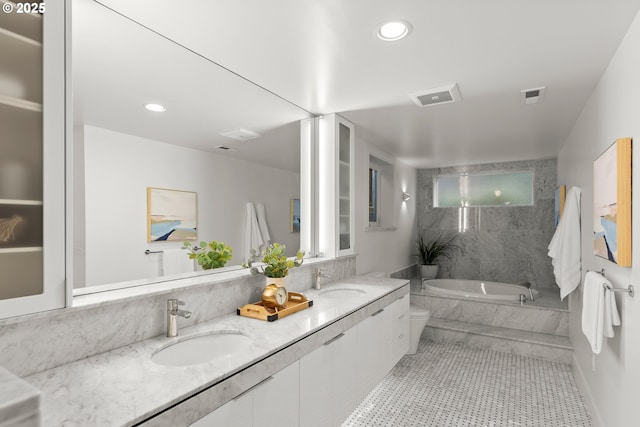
(21, 163)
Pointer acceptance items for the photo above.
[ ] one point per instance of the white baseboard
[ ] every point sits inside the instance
(586, 393)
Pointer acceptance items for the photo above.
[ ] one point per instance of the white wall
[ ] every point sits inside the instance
(613, 111)
(120, 167)
(390, 249)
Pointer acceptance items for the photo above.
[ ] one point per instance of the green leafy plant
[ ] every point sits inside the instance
(210, 255)
(430, 250)
(276, 263)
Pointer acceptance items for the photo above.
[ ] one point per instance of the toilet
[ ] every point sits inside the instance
(418, 319)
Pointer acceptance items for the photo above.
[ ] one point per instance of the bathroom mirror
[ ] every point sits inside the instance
(121, 149)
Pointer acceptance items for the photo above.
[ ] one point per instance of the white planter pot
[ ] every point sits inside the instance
(280, 281)
(429, 271)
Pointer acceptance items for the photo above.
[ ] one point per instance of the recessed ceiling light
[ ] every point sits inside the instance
(155, 107)
(394, 30)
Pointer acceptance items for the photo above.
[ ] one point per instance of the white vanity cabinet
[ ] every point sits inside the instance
(260, 405)
(336, 184)
(399, 329)
(32, 157)
(328, 382)
(374, 350)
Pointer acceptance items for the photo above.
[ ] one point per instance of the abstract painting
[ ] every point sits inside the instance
(560, 196)
(612, 203)
(172, 215)
(294, 224)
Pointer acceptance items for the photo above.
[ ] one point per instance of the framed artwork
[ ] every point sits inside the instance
(612, 203)
(561, 195)
(172, 215)
(294, 223)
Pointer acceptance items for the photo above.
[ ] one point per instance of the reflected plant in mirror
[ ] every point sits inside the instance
(276, 263)
(209, 255)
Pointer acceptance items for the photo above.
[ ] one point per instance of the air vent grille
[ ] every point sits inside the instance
(532, 96)
(437, 95)
(241, 135)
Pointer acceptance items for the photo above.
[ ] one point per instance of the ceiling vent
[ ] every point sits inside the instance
(436, 95)
(241, 135)
(532, 96)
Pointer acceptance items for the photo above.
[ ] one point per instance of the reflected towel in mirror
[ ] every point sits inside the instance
(262, 224)
(252, 235)
(176, 261)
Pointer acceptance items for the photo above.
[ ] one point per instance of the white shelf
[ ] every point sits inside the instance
(20, 202)
(20, 37)
(21, 250)
(20, 103)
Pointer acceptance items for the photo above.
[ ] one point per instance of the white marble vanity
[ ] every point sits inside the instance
(125, 387)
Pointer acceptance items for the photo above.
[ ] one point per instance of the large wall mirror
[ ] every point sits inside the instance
(121, 149)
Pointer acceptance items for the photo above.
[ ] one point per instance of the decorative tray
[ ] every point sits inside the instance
(295, 302)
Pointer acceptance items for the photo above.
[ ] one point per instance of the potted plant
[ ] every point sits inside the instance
(276, 264)
(210, 255)
(430, 250)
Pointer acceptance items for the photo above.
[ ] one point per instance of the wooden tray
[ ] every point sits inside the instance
(295, 302)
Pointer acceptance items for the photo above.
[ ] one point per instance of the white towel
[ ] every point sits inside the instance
(599, 310)
(564, 248)
(252, 235)
(176, 261)
(262, 224)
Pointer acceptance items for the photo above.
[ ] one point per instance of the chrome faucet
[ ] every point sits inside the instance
(528, 286)
(316, 277)
(172, 316)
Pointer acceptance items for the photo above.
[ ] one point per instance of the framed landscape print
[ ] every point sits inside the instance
(172, 215)
(612, 203)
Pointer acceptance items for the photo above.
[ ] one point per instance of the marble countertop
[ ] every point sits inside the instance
(124, 387)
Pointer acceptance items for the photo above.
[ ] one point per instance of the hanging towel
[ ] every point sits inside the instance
(599, 310)
(564, 248)
(252, 236)
(262, 224)
(176, 261)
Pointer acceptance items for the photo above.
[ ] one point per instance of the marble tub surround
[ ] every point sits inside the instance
(502, 244)
(124, 387)
(528, 317)
(97, 323)
(19, 402)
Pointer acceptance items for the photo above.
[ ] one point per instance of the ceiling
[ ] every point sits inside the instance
(324, 57)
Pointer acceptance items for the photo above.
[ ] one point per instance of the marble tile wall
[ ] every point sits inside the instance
(503, 244)
(42, 341)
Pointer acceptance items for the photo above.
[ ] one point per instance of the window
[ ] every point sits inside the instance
(484, 189)
(380, 207)
(373, 196)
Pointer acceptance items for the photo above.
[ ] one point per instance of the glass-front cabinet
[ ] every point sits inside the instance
(32, 154)
(336, 183)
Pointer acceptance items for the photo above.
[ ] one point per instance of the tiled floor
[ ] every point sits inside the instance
(447, 384)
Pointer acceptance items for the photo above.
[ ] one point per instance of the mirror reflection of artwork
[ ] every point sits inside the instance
(612, 203)
(294, 226)
(172, 215)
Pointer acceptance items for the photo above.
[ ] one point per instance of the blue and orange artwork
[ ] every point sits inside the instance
(605, 224)
(172, 215)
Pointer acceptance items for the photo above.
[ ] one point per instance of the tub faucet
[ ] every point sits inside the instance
(528, 286)
(172, 316)
(318, 274)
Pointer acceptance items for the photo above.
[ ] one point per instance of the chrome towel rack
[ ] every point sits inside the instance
(147, 252)
(628, 289)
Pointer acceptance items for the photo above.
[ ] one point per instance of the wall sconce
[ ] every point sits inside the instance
(405, 196)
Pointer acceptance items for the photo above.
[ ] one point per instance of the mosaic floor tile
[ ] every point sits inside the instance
(448, 384)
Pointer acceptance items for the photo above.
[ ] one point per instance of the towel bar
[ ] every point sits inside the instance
(629, 290)
(147, 252)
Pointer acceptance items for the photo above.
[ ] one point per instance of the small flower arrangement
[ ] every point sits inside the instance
(210, 255)
(276, 263)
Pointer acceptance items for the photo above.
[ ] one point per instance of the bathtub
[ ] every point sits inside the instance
(477, 289)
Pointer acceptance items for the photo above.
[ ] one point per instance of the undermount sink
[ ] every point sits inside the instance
(201, 349)
(342, 293)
